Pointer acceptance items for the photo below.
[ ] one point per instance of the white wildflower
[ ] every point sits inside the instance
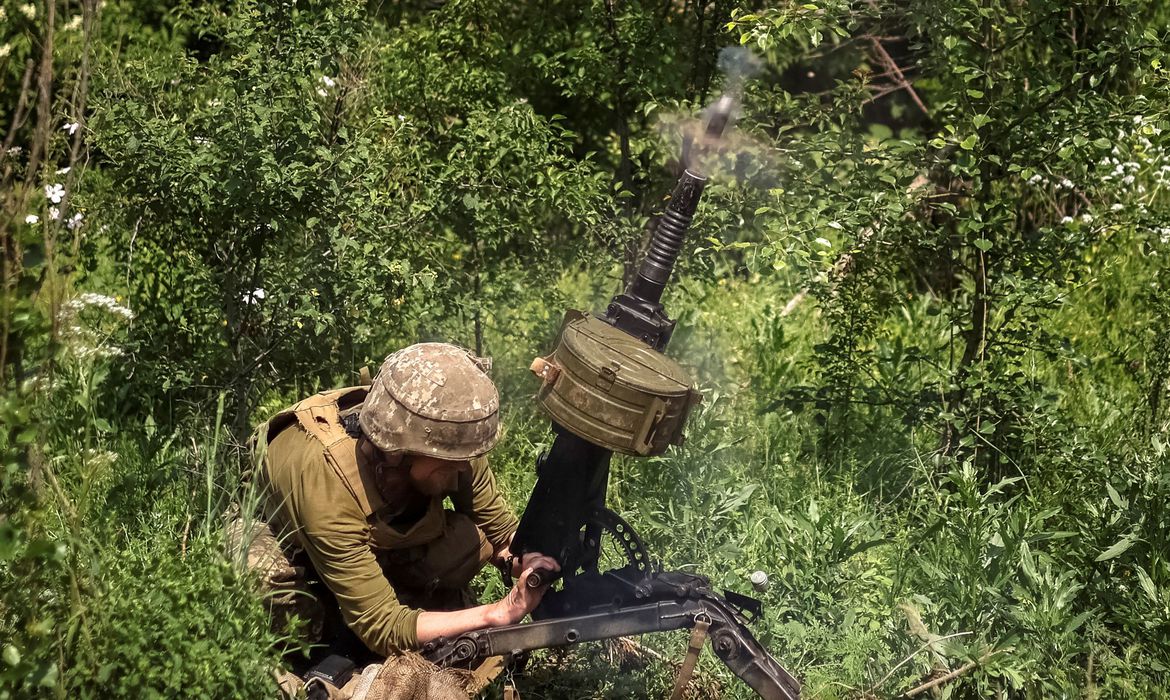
(71, 127)
(1117, 207)
(63, 171)
(1164, 235)
(401, 117)
(254, 296)
(73, 24)
(322, 93)
(202, 141)
(88, 337)
(99, 458)
(15, 151)
(1066, 220)
(98, 301)
(32, 219)
(74, 221)
(55, 193)
(1087, 218)
(1128, 179)
(3, 15)
(1067, 184)
(54, 213)
(329, 82)
(5, 49)
(1137, 119)
(1036, 179)
(29, 10)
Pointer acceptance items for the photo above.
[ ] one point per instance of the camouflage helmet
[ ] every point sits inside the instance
(432, 399)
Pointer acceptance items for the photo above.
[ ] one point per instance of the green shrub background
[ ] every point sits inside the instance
(926, 299)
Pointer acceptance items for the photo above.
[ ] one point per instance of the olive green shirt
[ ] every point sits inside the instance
(308, 499)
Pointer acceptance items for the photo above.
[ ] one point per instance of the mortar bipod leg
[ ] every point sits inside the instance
(746, 658)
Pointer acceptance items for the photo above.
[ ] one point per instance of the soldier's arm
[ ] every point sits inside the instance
(337, 543)
(480, 499)
(519, 602)
(335, 535)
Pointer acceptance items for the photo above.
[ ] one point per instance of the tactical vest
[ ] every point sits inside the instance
(320, 417)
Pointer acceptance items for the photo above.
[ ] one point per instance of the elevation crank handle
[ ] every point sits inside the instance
(541, 576)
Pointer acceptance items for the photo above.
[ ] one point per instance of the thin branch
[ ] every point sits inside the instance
(889, 62)
(907, 660)
(892, 65)
(965, 668)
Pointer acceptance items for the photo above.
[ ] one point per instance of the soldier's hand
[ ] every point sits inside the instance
(532, 560)
(521, 600)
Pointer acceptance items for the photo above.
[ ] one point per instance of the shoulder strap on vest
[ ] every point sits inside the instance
(319, 416)
(345, 398)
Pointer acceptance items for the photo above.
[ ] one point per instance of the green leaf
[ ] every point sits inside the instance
(1075, 623)
(969, 142)
(11, 655)
(1146, 583)
(1115, 497)
(984, 245)
(1121, 547)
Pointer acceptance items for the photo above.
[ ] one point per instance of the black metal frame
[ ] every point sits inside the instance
(635, 599)
(595, 606)
(566, 515)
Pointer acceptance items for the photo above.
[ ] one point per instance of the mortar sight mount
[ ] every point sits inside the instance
(608, 387)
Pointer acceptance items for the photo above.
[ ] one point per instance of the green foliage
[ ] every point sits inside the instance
(260, 151)
(926, 297)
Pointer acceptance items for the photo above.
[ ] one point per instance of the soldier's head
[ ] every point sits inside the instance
(433, 405)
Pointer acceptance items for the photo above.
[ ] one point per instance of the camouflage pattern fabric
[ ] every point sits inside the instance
(433, 399)
(283, 583)
(433, 576)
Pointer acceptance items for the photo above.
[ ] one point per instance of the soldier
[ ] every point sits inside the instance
(355, 481)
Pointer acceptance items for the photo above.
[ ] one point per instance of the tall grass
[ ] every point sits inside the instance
(888, 561)
(117, 585)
